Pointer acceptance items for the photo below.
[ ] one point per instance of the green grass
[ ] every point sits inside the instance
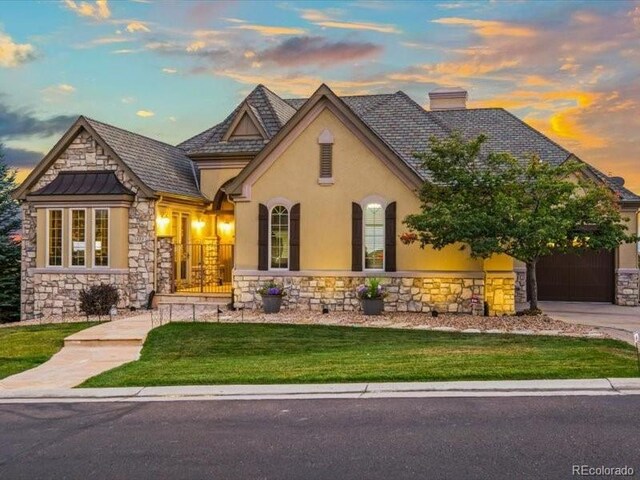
(197, 354)
(22, 348)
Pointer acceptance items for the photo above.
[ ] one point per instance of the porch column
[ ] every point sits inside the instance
(165, 265)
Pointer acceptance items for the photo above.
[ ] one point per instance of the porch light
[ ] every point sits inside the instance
(225, 227)
(199, 224)
(162, 221)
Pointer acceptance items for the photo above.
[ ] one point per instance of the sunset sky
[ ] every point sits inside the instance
(172, 69)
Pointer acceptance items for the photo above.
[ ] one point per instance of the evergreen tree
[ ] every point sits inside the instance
(9, 245)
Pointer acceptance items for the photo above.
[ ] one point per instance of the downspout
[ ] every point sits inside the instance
(155, 245)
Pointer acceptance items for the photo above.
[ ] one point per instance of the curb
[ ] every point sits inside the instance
(591, 387)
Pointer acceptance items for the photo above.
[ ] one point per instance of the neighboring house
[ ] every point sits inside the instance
(310, 192)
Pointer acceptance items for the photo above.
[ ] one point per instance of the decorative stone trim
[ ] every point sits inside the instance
(627, 286)
(338, 292)
(343, 273)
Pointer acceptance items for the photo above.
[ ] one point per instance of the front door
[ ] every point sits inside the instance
(182, 255)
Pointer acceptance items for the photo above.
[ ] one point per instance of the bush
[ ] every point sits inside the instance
(98, 299)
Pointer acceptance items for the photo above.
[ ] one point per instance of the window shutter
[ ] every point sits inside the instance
(326, 160)
(356, 237)
(294, 238)
(263, 237)
(390, 238)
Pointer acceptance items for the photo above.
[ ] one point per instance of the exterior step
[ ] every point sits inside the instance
(189, 299)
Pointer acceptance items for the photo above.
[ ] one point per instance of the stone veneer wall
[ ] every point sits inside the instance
(500, 293)
(404, 293)
(165, 281)
(627, 287)
(56, 293)
(521, 286)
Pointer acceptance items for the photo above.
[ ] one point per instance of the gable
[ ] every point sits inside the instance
(322, 99)
(246, 128)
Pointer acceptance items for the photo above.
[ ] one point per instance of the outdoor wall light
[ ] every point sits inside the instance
(199, 223)
(162, 221)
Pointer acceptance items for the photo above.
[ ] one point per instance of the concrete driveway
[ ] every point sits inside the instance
(618, 321)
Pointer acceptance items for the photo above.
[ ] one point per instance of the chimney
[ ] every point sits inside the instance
(448, 98)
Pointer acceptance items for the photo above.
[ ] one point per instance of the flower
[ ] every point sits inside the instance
(408, 238)
(371, 290)
(272, 288)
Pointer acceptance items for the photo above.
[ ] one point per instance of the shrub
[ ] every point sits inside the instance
(98, 299)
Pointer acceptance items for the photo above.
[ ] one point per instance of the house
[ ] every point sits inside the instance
(311, 192)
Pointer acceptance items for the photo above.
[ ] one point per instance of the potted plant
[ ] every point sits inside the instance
(272, 294)
(371, 296)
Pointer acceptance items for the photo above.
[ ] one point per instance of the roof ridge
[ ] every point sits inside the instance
(533, 129)
(436, 120)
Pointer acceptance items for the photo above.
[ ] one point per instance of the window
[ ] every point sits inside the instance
(279, 237)
(78, 238)
(373, 237)
(101, 237)
(54, 243)
(326, 167)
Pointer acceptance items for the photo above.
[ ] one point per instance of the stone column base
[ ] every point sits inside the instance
(521, 285)
(499, 288)
(627, 286)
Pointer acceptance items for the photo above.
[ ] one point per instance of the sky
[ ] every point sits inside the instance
(170, 69)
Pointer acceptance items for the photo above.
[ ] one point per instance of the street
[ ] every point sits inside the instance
(456, 438)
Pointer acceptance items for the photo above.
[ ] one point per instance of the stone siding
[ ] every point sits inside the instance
(627, 287)
(521, 286)
(338, 292)
(500, 293)
(56, 293)
(166, 275)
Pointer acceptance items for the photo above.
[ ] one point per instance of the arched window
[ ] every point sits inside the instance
(279, 237)
(373, 219)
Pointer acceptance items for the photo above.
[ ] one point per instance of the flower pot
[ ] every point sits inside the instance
(271, 303)
(372, 306)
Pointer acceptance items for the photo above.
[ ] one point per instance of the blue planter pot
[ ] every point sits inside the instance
(271, 303)
(372, 306)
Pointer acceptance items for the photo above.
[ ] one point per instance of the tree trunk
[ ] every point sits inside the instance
(532, 282)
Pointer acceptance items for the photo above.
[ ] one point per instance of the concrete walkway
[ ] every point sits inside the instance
(499, 388)
(86, 354)
(619, 322)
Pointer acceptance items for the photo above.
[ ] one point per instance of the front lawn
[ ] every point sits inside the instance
(22, 348)
(197, 354)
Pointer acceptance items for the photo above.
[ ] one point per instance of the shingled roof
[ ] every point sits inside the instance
(403, 125)
(160, 166)
(272, 112)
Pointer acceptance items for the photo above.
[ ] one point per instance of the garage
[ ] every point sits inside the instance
(584, 277)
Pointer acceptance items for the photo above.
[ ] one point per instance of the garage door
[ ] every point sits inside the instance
(587, 277)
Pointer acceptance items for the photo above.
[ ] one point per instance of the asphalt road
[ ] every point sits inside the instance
(452, 438)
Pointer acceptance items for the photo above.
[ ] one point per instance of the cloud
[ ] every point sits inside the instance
(172, 119)
(195, 46)
(489, 28)
(125, 51)
(137, 26)
(145, 113)
(24, 123)
(58, 92)
(169, 70)
(270, 30)
(110, 40)
(21, 158)
(317, 50)
(14, 54)
(98, 10)
(127, 100)
(320, 18)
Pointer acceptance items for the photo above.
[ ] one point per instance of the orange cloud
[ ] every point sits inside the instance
(489, 28)
(137, 26)
(269, 30)
(321, 19)
(98, 11)
(13, 54)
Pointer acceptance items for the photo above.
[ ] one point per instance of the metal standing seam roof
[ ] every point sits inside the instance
(102, 182)
(160, 166)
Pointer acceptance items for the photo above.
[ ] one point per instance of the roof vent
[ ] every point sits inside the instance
(448, 98)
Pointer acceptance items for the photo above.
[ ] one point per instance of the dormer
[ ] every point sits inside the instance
(245, 126)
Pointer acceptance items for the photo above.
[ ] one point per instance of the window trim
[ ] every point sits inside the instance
(48, 236)
(70, 233)
(93, 237)
(383, 205)
(288, 209)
